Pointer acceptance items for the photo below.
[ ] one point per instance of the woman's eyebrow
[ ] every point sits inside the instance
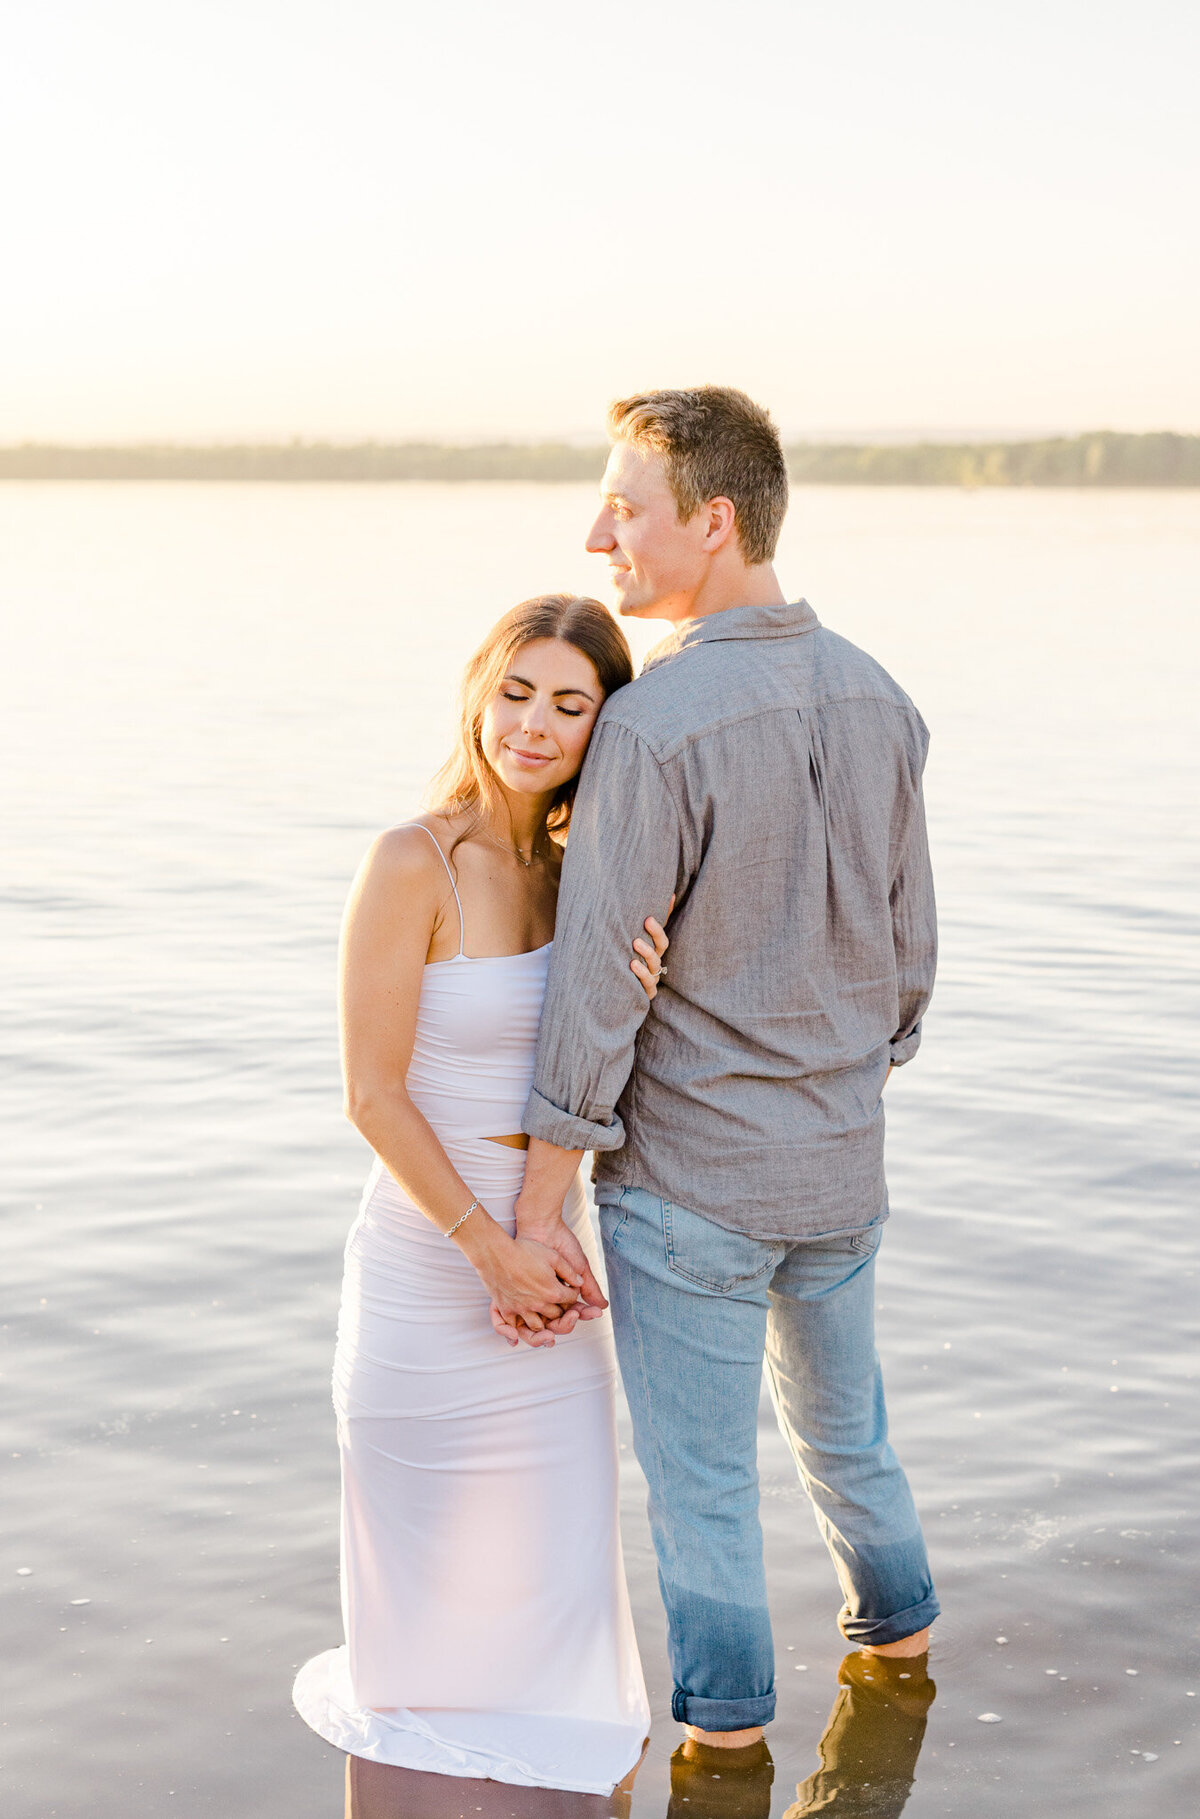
(558, 691)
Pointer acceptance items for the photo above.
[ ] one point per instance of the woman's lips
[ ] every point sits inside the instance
(528, 757)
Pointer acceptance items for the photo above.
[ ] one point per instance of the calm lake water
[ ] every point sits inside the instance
(211, 697)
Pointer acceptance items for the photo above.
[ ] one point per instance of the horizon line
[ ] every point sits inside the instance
(877, 438)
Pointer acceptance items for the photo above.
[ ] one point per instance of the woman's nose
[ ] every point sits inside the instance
(533, 720)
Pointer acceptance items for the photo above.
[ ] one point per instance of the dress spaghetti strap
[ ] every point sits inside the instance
(462, 937)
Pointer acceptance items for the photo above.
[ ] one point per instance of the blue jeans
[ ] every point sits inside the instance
(694, 1308)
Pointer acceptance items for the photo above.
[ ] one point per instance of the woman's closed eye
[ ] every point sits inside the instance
(572, 713)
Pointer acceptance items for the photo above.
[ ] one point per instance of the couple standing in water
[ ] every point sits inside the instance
(756, 791)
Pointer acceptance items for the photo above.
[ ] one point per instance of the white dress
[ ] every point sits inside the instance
(488, 1630)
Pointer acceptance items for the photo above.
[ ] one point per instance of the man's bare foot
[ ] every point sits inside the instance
(908, 1645)
(725, 1740)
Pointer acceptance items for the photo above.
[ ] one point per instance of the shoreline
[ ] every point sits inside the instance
(1103, 458)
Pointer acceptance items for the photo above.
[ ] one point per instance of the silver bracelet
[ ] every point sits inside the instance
(463, 1220)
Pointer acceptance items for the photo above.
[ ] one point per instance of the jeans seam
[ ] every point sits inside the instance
(647, 1403)
(618, 1207)
(824, 1525)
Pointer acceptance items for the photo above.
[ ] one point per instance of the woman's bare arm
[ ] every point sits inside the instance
(396, 903)
(393, 908)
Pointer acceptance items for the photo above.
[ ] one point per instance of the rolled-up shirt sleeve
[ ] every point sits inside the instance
(914, 935)
(621, 865)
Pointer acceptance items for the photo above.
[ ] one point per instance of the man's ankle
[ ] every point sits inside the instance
(917, 1644)
(725, 1740)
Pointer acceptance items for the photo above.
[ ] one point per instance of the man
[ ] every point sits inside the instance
(768, 774)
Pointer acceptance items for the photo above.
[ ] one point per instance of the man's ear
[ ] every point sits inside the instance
(721, 516)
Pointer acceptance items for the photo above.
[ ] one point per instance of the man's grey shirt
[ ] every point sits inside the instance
(769, 773)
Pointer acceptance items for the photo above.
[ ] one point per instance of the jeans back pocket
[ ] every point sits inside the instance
(713, 1257)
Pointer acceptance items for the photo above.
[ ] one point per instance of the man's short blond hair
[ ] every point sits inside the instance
(715, 443)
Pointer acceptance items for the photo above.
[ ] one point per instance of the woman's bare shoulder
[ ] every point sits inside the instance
(410, 857)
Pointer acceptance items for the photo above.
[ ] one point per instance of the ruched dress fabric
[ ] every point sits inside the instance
(488, 1629)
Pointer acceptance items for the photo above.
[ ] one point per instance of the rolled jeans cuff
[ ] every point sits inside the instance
(722, 1714)
(868, 1632)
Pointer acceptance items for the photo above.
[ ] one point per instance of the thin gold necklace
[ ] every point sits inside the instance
(507, 846)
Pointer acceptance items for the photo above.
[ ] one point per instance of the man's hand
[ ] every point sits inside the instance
(573, 1263)
(591, 1303)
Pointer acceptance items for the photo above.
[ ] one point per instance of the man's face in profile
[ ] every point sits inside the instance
(655, 561)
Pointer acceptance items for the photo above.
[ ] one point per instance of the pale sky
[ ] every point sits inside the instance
(344, 218)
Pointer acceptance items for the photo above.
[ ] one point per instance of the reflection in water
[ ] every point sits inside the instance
(721, 1784)
(872, 1741)
(375, 1790)
(868, 1760)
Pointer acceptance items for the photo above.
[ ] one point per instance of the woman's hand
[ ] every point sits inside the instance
(647, 962)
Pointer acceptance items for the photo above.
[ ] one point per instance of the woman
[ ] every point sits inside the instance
(488, 1630)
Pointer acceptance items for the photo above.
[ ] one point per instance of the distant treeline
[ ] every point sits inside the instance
(305, 461)
(1104, 458)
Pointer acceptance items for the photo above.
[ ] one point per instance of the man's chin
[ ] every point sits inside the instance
(632, 606)
(636, 600)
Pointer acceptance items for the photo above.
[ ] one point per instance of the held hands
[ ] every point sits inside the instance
(582, 1301)
(530, 1283)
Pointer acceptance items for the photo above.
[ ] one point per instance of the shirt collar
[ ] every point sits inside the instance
(789, 619)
